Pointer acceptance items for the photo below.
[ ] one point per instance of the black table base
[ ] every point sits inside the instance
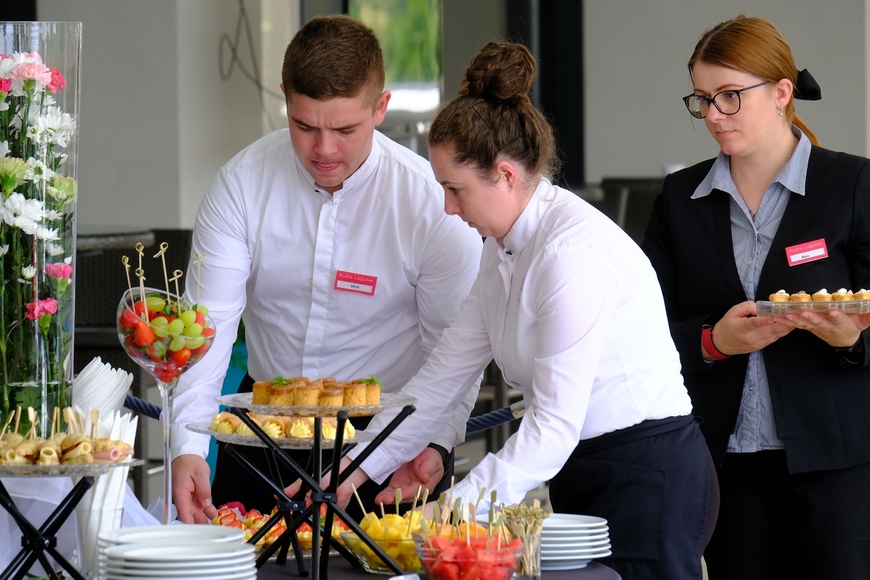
(320, 496)
(35, 543)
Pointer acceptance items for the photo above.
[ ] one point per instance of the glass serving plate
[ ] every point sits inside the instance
(768, 308)
(283, 442)
(388, 400)
(75, 470)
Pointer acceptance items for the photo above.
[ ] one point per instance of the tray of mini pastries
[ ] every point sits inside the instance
(287, 431)
(782, 302)
(300, 396)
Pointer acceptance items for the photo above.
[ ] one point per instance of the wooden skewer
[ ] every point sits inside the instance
(162, 255)
(95, 420)
(17, 417)
(358, 499)
(8, 422)
(55, 421)
(413, 509)
(198, 262)
(126, 261)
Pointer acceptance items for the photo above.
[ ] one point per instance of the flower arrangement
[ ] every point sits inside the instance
(37, 238)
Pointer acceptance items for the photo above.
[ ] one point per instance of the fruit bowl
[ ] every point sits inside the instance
(402, 551)
(455, 559)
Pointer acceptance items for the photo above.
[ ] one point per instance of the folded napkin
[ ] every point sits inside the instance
(101, 387)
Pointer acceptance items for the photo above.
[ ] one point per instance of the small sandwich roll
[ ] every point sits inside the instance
(47, 456)
(13, 458)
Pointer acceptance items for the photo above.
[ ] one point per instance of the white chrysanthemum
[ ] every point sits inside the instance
(67, 260)
(53, 126)
(28, 272)
(54, 249)
(38, 170)
(4, 249)
(46, 234)
(52, 214)
(22, 213)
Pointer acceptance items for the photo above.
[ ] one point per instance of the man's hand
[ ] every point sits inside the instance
(424, 471)
(191, 490)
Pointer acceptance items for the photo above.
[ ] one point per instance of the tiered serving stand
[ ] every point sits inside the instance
(293, 512)
(36, 542)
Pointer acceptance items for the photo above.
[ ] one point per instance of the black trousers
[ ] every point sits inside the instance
(653, 484)
(233, 482)
(773, 524)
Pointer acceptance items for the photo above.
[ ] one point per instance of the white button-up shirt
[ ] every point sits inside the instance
(572, 312)
(358, 283)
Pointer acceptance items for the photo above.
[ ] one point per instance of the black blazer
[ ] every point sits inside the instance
(821, 404)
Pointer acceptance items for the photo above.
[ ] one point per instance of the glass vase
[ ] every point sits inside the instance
(39, 100)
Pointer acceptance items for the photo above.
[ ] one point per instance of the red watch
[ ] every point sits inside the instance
(709, 346)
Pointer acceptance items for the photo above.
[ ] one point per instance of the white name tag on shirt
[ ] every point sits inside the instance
(353, 282)
(807, 252)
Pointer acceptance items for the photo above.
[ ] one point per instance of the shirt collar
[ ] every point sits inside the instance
(527, 224)
(359, 176)
(792, 176)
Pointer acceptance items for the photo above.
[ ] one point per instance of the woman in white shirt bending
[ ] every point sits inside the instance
(571, 310)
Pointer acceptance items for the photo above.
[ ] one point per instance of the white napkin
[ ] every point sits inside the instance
(101, 387)
(101, 508)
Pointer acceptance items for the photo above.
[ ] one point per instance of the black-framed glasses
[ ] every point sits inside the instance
(728, 102)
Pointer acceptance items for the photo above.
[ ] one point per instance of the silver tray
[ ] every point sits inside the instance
(768, 308)
(283, 442)
(75, 470)
(388, 400)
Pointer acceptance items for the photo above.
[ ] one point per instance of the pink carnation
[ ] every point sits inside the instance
(36, 310)
(35, 71)
(58, 82)
(5, 85)
(60, 270)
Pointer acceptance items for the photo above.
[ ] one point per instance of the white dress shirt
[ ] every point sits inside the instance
(358, 283)
(572, 312)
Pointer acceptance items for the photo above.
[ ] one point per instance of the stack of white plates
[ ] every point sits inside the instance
(570, 541)
(200, 552)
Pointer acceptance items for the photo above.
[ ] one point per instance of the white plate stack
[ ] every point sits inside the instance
(570, 541)
(200, 552)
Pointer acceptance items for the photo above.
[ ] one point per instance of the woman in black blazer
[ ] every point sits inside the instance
(784, 401)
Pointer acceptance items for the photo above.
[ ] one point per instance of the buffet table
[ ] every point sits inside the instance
(341, 569)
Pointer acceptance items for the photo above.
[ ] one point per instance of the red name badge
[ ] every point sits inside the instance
(807, 252)
(359, 283)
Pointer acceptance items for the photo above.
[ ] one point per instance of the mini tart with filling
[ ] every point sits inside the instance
(780, 296)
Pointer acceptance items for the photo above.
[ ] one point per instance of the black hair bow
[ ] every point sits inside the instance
(806, 88)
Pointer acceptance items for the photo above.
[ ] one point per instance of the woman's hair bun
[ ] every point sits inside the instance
(501, 71)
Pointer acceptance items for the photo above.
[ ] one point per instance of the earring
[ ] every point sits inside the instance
(780, 112)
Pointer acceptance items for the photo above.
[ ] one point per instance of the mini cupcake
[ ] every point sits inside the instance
(353, 394)
(282, 395)
(780, 296)
(262, 393)
(822, 296)
(306, 394)
(330, 396)
(842, 295)
(800, 296)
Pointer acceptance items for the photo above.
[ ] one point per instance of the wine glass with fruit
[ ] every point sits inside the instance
(165, 334)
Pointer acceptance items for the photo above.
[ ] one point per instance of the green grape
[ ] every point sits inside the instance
(155, 303)
(177, 343)
(203, 309)
(159, 325)
(175, 327)
(193, 330)
(188, 316)
(195, 342)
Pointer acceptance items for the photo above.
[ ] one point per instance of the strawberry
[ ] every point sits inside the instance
(142, 334)
(179, 357)
(156, 351)
(129, 319)
(208, 332)
(165, 372)
(198, 352)
(200, 318)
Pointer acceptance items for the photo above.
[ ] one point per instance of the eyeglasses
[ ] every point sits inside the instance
(728, 102)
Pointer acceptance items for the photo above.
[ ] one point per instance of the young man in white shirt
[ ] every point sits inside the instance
(285, 227)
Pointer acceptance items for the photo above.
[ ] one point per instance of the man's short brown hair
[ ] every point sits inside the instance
(333, 56)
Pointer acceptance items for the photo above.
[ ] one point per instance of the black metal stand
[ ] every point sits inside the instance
(36, 542)
(319, 496)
